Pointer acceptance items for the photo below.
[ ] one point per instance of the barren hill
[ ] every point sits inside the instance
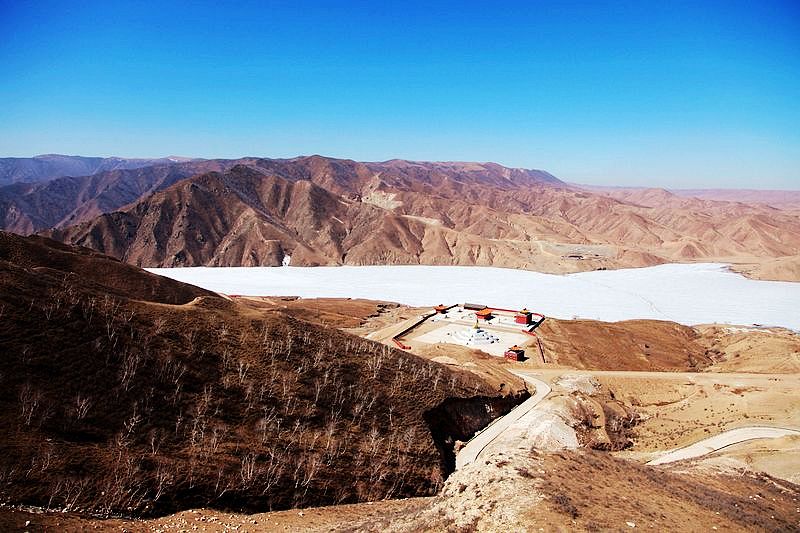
(427, 213)
(29, 207)
(245, 217)
(785, 200)
(50, 259)
(239, 217)
(779, 199)
(395, 212)
(116, 402)
(527, 490)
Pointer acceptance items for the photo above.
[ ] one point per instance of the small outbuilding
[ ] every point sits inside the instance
(484, 314)
(515, 353)
(441, 309)
(523, 317)
(474, 307)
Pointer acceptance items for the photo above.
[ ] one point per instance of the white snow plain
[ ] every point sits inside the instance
(699, 293)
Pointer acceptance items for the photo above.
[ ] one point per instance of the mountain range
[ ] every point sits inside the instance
(49, 166)
(325, 211)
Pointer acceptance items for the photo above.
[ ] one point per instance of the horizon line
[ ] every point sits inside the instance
(186, 159)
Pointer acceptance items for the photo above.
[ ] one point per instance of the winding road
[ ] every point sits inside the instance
(723, 440)
(472, 449)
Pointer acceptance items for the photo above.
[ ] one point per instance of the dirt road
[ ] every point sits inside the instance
(697, 377)
(477, 444)
(720, 441)
(470, 452)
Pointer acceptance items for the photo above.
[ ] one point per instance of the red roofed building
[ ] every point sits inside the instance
(484, 314)
(515, 353)
(523, 317)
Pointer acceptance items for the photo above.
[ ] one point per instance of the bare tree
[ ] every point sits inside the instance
(30, 401)
(155, 438)
(163, 479)
(247, 471)
(87, 308)
(82, 405)
(131, 423)
(130, 364)
(242, 371)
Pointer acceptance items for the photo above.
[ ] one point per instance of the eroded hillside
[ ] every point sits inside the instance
(328, 211)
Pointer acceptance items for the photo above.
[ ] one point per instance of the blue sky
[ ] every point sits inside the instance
(672, 94)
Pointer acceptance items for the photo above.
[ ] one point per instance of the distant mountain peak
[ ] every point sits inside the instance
(45, 167)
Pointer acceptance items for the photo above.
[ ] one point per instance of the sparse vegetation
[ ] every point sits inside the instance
(117, 406)
(603, 423)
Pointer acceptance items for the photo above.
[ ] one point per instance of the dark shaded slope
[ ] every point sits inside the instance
(115, 405)
(239, 217)
(56, 261)
(27, 208)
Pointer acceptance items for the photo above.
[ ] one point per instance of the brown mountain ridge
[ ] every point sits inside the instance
(324, 211)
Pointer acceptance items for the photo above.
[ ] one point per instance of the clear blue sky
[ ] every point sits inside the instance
(661, 93)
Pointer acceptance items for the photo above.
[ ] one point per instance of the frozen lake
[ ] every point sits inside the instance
(688, 294)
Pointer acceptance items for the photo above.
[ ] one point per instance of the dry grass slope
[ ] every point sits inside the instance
(119, 405)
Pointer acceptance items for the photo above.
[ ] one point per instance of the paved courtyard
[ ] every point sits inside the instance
(445, 329)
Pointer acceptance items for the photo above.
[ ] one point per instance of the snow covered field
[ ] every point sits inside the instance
(688, 294)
